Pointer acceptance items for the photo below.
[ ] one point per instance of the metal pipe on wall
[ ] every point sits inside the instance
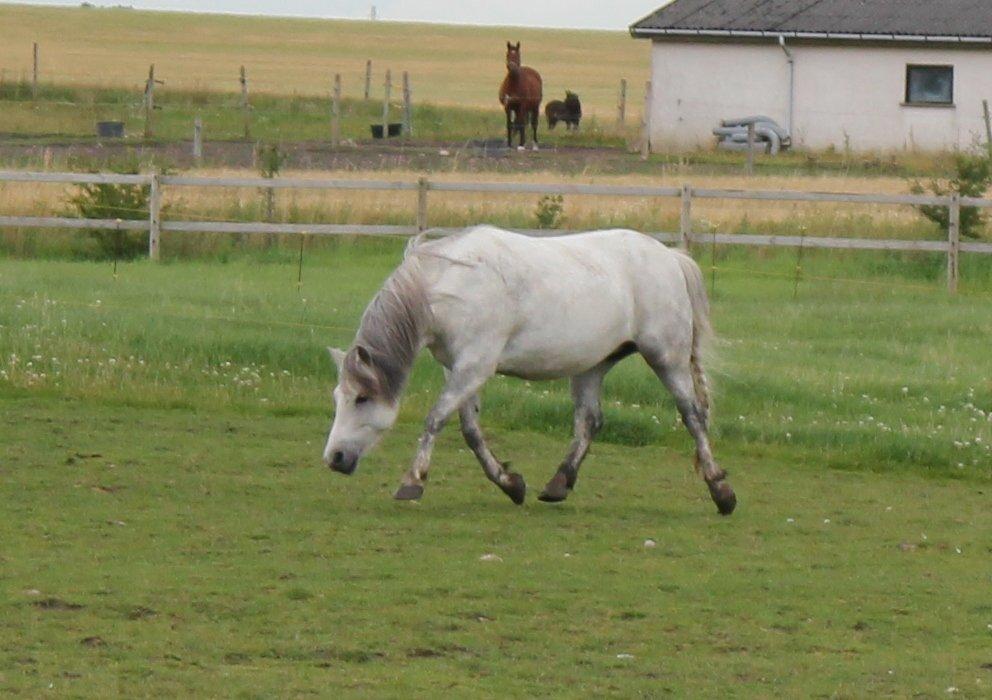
(792, 85)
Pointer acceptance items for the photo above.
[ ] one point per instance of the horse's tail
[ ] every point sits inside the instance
(702, 331)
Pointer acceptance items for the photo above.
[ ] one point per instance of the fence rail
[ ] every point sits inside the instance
(685, 236)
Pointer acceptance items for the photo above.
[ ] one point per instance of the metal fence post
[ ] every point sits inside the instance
(154, 216)
(953, 242)
(685, 219)
(422, 186)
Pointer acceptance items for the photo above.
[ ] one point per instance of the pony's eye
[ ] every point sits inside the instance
(359, 400)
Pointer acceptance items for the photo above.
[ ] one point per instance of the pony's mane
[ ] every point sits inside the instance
(393, 325)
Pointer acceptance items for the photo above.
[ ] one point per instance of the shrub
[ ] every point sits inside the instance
(972, 178)
(550, 211)
(125, 202)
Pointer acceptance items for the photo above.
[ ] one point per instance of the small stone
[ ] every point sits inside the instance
(650, 543)
(907, 547)
(625, 657)
(490, 557)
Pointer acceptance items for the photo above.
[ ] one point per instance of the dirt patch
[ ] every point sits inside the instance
(56, 604)
(461, 157)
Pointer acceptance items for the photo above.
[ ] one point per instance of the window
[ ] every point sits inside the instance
(930, 85)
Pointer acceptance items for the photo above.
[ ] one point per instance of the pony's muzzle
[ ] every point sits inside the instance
(343, 462)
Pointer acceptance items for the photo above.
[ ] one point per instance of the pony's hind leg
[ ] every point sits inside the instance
(694, 409)
(510, 483)
(535, 118)
(587, 421)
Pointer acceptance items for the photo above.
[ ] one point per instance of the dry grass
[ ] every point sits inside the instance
(447, 64)
(581, 212)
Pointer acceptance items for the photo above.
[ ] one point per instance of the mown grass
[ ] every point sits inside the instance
(167, 529)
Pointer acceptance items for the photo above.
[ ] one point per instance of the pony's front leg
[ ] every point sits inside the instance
(510, 483)
(509, 128)
(459, 387)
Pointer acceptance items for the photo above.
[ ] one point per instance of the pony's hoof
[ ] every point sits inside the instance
(515, 488)
(409, 492)
(557, 489)
(521, 148)
(535, 148)
(723, 496)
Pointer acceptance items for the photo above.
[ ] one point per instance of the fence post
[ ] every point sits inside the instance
(336, 112)
(368, 78)
(622, 103)
(422, 186)
(750, 148)
(34, 75)
(988, 126)
(646, 122)
(154, 216)
(149, 100)
(197, 139)
(953, 242)
(245, 106)
(385, 104)
(407, 107)
(685, 219)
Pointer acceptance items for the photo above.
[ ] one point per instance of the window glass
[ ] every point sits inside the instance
(930, 84)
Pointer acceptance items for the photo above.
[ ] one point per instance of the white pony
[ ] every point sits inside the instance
(490, 301)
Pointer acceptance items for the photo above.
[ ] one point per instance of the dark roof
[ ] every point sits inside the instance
(920, 20)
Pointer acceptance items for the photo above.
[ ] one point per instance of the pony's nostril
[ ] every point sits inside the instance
(338, 458)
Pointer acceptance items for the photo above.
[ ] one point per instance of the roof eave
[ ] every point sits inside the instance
(655, 32)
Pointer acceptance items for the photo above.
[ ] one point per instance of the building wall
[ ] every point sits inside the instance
(845, 95)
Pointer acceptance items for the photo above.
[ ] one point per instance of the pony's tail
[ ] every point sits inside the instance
(702, 331)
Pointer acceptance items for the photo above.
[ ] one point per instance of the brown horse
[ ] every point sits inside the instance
(520, 94)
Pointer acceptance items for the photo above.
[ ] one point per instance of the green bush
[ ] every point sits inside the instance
(972, 178)
(550, 211)
(124, 202)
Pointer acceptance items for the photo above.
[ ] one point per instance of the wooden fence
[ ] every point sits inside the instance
(952, 247)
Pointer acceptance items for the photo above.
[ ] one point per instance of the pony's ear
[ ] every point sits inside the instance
(358, 365)
(509, 45)
(363, 354)
(337, 356)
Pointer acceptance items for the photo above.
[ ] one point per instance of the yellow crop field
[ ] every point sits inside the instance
(454, 65)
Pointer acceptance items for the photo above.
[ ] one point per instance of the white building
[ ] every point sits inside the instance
(859, 74)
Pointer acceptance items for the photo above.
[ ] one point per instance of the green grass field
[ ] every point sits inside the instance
(166, 527)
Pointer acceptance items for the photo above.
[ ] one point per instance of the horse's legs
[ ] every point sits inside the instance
(678, 377)
(511, 484)
(520, 120)
(535, 117)
(509, 128)
(587, 421)
(460, 385)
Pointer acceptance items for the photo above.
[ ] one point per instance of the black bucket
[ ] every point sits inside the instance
(395, 129)
(110, 130)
